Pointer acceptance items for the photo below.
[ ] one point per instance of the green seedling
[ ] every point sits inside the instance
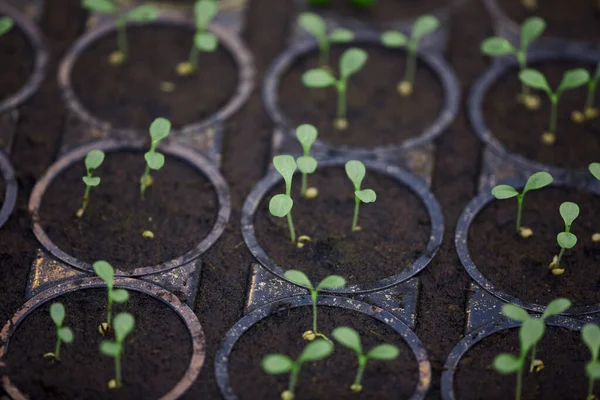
(106, 272)
(306, 135)
(535, 181)
(275, 364)
(590, 334)
(123, 325)
(329, 282)
(6, 24)
(422, 27)
(531, 29)
(566, 240)
(571, 80)
(349, 338)
(281, 204)
(589, 110)
(204, 12)
(356, 172)
(351, 61)
(143, 13)
(93, 160)
(63, 333)
(315, 25)
(159, 129)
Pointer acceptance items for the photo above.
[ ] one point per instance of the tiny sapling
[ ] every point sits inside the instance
(204, 12)
(281, 204)
(535, 181)
(589, 110)
(329, 282)
(159, 129)
(143, 13)
(106, 272)
(566, 240)
(123, 325)
(571, 80)
(275, 364)
(531, 29)
(590, 334)
(349, 338)
(63, 333)
(93, 160)
(422, 27)
(6, 24)
(315, 25)
(356, 172)
(594, 169)
(351, 61)
(306, 135)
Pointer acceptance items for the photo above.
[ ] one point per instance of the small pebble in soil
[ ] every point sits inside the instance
(303, 239)
(577, 117)
(525, 232)
(596, 237)
(548, 138)
(148, 234)
(167, 87)
(116, 58)
(311, 193)
(340, 124)
(532, 102)
(405, 88)
(184, 68)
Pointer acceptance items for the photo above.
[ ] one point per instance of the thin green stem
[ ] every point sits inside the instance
(324, 55)
(522, 58)
(531, 364)
(122, 37)
(589, 101)
(194, 56)
(143, 185)
(553, 115)
(303, 189)
(313, 295)
(519, 211)
(291, 226)
(341, 104)
(590, 388)
(294, 378)
(362, 363)
(57, 348)
(519, 387)
(118, 370)
(109, 308)
(411, 63)
(85, 200)
(562, 251)
(355, 218)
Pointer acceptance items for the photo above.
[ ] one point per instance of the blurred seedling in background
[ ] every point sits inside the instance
(63, 333)
(6, 24)
(306, 135)
(590, 334)
(356, 172)
(159, 129)
(123, 325)
(589, 110)
(315, 25)
(204, 12)
(93, 160)
(566, 240)
(281, 205)
(594, 169)
(106, 272)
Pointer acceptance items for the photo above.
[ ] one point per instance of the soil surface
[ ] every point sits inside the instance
(130, 95)
(395, 229)
(520, 129)
(179, 208)
(331, 377)
(17, 62)
(377, 114)
(563, 377)
(158, 346)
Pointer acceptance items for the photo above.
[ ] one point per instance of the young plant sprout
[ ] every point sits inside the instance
(349, 338)
(106, 272)
(159, 129)
(356, 172)
(423, 26)
(204, 12)
(531, 29)
(351, 61)
(589, 111)
(275, 364)
(143, 13)
(123, 325)
(315, 25)
(329, 282)
(571, 80)
(535, 181)
(6, 24)
(281, 204)
(566, 240)
(63, 333)
(93, 160)
(306, 135)
(590, 334)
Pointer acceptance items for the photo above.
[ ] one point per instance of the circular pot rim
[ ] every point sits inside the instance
(193, 159)
(10, 188)
(435, 62)
(234, 46)
(40, 57)
(183, 311)
(418, 188)
(261, 313)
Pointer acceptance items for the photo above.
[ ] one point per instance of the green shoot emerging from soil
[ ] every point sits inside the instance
(63, 333)
(349, 338)
(306, 135)
(422, 27)
(315, 25)
(351, 61)
(356, 172)
(204, 12)
(531, 29)
(275, 364)
(571, 80)
(535, 181)
(159, 129)
(590, 334)
(566, 240)
(106, 272)
(589, 110)
(123, 325)
(329, 282)
(143, 13)
(6, 24)
(93, 160)
(281, 204)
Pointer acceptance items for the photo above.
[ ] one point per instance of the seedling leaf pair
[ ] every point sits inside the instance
(281, 205)
(356, 171)
(63, 333)
(590, 334)
(204, 12)
(106, 272)
(123, 325)
(566, 240)
(315, 25)
(159, 130)
(306, 135)
(93, 160)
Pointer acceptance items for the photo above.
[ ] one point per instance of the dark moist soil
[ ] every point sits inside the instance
(520, 130)
(577, 21)
(377, 114)
(563, 377)
(395, 229)
(156, 355)
(330, 378)
(179, 208)
(17, 62)
(130, 95)
(520, 266)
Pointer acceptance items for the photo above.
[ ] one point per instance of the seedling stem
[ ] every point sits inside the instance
(93, 160)
(281, 205)
(63, 334)
(356, 172)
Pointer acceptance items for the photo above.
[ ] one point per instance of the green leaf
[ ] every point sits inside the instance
(531, 29)
(502, 192)
(286, 166)
(590, 333)
(341, 35)
(298, 277)
(205, 11)
(206, 41)
(110, 349)
(154, 159)
(101, 6)
(556, 307)
(366, 195)
(384, 352)
(318, 78)
(595, 170)
(569, 212)
(497, 46)
(351, 61)
(66, 335)
(515, 313)
(506, 363)
(313, 24)
(535, 79)
(94, 159)
(348, 337)
(57, 313)
(123, 324)
(277, 364)
(143, 13)
(394, 39)
(160, 128)
(306, 135)
(566, 240)
(424, 25)
(120, 295)
(316, 350)
(538, 181)
(592, 369)
(573, 79)
(280, 205)
(307, 164)
(105, 271)
(332, 282)
(531, 332)
(6, 24)
(356, 172)
(91, 180)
